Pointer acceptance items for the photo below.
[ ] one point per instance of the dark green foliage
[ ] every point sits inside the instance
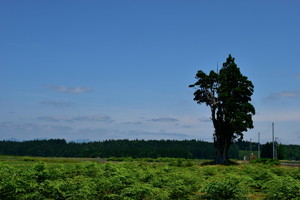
(228, 94)
(245, 145)
(233, 151)
(266, 161)
(292, 152)
(281, 155)
(94, 181)
(267, 150)
(295, 173)
(227, 187)
(257, 175)
(282, 188)
(130, 149)
(112, 148)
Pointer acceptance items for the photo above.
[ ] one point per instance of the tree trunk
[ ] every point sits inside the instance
(222, 142)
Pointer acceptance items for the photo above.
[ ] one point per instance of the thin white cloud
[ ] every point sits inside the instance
(56, 103)
(104, 118)
(133, 123)
(187, 126)
(66, 89)
(164, 119)
(104, 134)
(282, 116)
(284, 94)
(47, 129)
(137, 134)
(79, 118)
(29, 131)
(53, 118)
(32, 128)
(205, 119)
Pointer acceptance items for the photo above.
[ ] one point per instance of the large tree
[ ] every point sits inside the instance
(228, 94)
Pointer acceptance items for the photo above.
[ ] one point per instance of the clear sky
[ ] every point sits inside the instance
(108, 69)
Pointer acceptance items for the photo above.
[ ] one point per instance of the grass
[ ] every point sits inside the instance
(27, 159)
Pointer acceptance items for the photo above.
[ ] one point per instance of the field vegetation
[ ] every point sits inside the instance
(143, 178)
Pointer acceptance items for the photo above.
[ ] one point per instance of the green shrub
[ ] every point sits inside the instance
(180, 190)
(209, 171)
(258, 174)
(7, 182)
(41, 172)
(27, 159)
(267, 161)
(227, 187)
(282, 188)
(53, 189)
(120, 159)
(294, 173)
(136, 192)
(180, 162)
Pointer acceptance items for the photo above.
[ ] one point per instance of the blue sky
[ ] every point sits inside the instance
(99, 70)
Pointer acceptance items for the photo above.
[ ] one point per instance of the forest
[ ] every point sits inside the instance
(194, 149)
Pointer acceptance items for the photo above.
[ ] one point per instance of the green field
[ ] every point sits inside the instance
(162, 178)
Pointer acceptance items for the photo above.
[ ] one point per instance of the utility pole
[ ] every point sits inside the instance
(258, 146)
(273, 140)
(276, 147)
(250, 150)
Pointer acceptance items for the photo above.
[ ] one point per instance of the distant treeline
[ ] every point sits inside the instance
(194, 149)
(283, 152)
